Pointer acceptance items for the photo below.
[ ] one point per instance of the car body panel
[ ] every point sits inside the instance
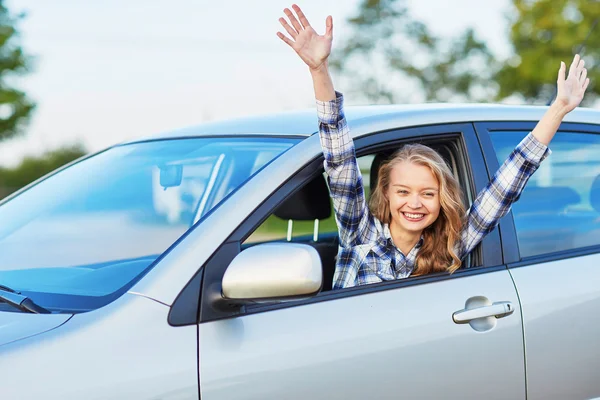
(17, 325)
(389, 344)
(125, 350)
(560, 302)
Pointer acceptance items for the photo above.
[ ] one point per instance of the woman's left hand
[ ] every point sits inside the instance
(570, 89)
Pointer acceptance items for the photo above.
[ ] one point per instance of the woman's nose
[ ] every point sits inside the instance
(414, 202)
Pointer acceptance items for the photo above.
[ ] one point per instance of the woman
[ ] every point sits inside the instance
(417, 224)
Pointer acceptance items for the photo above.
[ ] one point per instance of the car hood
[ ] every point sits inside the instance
(15, 325)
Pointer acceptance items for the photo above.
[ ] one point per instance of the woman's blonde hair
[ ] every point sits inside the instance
(438, 251)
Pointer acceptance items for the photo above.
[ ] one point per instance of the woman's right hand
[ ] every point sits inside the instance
(313, 49)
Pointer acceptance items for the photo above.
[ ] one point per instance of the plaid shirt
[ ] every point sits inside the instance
(367, 253)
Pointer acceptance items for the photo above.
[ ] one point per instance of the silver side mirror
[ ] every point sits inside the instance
(273, 271)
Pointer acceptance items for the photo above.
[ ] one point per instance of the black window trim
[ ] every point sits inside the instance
(215, 267)
(508, 233)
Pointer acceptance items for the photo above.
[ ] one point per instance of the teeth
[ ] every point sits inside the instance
(414, 216)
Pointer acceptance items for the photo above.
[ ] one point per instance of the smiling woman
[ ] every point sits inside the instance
(98, 225)
(419, 194)
(417, 225)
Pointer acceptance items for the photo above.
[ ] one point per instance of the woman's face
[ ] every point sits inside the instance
(413, 196)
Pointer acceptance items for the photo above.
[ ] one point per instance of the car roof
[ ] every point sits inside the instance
(374, 117)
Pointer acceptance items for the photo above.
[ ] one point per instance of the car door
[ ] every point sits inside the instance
(553, 248)
(391, 340)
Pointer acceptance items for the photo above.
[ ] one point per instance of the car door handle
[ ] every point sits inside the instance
(499, 309)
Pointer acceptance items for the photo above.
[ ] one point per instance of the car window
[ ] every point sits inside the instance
(98, 224)
(279, 226)
(559, 208)
(307, 216)
(275, 228)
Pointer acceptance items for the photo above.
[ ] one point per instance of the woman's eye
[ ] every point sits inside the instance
(402, 191)
(429, 194)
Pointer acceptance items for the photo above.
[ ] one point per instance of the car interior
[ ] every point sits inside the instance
(554, 218)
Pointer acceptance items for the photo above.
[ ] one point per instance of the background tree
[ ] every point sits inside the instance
(388, 48)
(543, 33)
(389, 55)
(15, 106)
(32, 168)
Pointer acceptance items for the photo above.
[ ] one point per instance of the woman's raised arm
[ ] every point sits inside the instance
(569, 93)
(313, 49)
(355, 222)
(509, 181)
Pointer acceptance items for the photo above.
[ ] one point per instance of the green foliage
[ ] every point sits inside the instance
(389, 54)
(544, 33)
(387, 44)
(32, 168)
(15, 106)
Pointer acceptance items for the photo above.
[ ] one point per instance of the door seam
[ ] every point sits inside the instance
(522, 332)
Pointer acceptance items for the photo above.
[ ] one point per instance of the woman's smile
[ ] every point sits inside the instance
(413, 217)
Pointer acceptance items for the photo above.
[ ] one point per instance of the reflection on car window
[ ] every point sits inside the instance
(560, 206)
(98, 224)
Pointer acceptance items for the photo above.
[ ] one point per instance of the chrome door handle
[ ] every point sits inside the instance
(499, 309)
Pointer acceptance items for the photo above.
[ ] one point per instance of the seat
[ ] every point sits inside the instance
(309, 203)
(543, 222)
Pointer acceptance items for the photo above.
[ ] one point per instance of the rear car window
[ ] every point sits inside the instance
(559, 208)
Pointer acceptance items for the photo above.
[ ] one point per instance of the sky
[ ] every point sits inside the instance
(109, 71)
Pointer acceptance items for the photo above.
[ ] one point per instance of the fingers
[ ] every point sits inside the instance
(579, 70)
(585, 85)
(562, 72)
(583, 76)
(301, 16)
(285, 39)
(293, 33)
(574, 64)
(329, 27)
(293, 20)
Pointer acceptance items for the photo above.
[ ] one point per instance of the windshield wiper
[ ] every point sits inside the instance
(17, 300)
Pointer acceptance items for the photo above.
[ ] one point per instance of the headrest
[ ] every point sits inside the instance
(551, 198)
(307, 204)
(595, 194)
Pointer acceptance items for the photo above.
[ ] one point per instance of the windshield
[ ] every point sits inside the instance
(78, 238)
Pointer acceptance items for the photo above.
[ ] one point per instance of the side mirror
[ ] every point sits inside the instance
(273, 271)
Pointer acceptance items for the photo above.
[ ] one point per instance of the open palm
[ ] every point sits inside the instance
(571, 88)
(313, 49)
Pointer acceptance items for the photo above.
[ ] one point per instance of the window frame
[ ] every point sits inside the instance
(507, 227)
(208, 279)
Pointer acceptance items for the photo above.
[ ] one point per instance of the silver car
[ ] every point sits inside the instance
(198, 264)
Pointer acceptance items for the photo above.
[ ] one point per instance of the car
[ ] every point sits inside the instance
(198, 264)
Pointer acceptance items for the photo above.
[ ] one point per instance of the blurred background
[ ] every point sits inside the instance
(77, 76)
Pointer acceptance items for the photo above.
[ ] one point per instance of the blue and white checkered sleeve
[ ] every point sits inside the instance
(354, 220)
(493, 202)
